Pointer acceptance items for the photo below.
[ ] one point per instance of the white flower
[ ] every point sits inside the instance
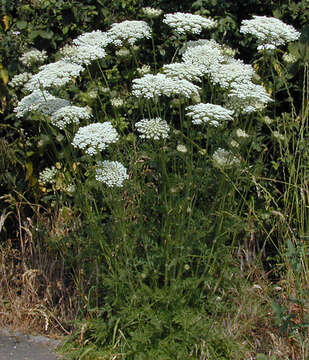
(208, 114)
(269, 30)
(117, 102)
(233, 72)
(150, 86)
(95, 137)
(82, 54)
(234, 144)
(33, 56)
(289, 58)
(247, 97)
(151, 12)
(191, 44)
(129, 31)
(153, 128)
(183, 23)
(241, 133)
(55, 74)
(183, 70)
(20, 79)
(181, 148)
(223, 158)
(69, 115)
(112, 173)
(48, 176)
(41, 101)
(93, 38)
(145, 69)
(207, 56)
(266, 47)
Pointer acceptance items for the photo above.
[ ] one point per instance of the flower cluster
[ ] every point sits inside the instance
(224, 159)
(151, 12)
(95, 137)
(129, 31)
(93, 38)
(233, 72)
(269, 31)
(111, 173)
(54, 74)
(183, 23)
(69, 115)
(33, 57)
(117, 102)
(82, 54)
(153, 128)
(48, 176)
(151, 86)
(20, 79)
(41, 101)
(207, 56)
(183, 70)
(248, 97)
(208, 114)
(145, 69)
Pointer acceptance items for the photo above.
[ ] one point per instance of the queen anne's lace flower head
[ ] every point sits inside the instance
(129, 31)
(183, 70)
(33, 56)
(269, 31)
(224, 159)
(206, 57)
(153, 128)
(208, 114)
(93, 38)
(233, 72)
(145, 69)
(82, 54)
(151, 86)
(247, 97)
(41, 101)
(183, 23)
(69, 115)
(48, 176)
(54, 74)
(20, 79)
(151, 12)
(111, 173)
(95, 137)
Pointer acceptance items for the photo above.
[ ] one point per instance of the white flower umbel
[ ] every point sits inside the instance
(247, 97)
(207, 56)
(55, 74)
(129, 31)
(153, 128)
(183, 23)
(241, 133)
(20, 79)
(269, 30)
(117, 102)
(48, 176)
(93, 38)
(41, 101)
(289, 58)
(69, 115)
(145, 69)
(111, 173)
(95, 137)
(209, 114)
(151, 12)
(183, 70)
(33, 57)
(151, 86)
(82, 54)
(233, 72)
(224, 159)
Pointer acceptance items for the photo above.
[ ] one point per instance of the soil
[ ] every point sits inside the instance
(20, 346)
